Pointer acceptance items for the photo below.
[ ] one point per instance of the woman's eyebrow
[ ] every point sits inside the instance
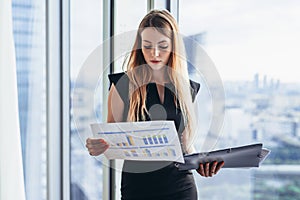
(147, 41)
(162, 41)
(157, 43)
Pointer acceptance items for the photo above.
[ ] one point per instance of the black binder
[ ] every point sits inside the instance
(237, 157)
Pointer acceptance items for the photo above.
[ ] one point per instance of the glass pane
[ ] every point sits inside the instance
(160, 4)
(254, 46)
(126, 26)
(86, 35)
(29, 27)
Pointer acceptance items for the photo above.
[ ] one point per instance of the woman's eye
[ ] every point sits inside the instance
(150, 47)
(147, 47)
(163, 47)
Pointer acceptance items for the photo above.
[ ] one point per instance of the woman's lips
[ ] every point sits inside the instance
(155, 61)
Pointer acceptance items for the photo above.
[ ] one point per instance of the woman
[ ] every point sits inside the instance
(155, 86)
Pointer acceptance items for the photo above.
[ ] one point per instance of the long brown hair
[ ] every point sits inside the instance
(139, 72)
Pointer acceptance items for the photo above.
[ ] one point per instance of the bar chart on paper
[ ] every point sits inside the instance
(155, 140)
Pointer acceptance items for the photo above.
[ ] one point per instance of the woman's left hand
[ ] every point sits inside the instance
(210, 169)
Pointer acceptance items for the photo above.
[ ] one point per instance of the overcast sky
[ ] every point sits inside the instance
(242, 37)
(247, 37)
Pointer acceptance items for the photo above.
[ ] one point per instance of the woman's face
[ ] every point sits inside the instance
(156, 48)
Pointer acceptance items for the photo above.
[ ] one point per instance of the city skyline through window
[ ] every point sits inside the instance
(253, 46)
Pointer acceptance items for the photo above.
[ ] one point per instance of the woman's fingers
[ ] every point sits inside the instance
(96, 146)
(203, 169)
(97, 152)
(219, 166)
(207, 169)
(210, 169)
(95, 141)
(200, 170)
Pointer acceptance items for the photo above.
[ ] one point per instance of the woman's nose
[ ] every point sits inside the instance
(155, 51)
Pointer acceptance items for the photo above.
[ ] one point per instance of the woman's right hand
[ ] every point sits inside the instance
(210, 169)
(96, 146)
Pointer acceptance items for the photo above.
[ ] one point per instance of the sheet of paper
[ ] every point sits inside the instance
(147, 141)
(264, 153)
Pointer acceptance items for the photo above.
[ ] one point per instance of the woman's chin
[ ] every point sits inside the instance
(156, 67)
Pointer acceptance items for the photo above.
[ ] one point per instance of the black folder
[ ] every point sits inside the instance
(243, 156)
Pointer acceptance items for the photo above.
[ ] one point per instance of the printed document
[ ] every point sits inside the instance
(145, 141)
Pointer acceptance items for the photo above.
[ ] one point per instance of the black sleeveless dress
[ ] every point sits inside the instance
(157, 180)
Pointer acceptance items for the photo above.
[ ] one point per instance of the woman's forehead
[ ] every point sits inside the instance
(152, 35)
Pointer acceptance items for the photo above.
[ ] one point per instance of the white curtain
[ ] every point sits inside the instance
(11, 169)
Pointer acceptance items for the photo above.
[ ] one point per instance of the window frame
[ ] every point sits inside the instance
(58, 94)
(57, 99)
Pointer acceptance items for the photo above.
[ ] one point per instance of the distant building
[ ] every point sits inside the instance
(192, 44)
(29, 36)
(256, 81)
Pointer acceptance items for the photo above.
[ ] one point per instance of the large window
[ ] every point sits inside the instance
(125, 27)
(254, 46)
(29, 28)
(86, 34)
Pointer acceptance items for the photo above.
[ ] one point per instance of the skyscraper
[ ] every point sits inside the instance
(30, 44)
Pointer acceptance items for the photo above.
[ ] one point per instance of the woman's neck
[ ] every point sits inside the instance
(160, 76)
